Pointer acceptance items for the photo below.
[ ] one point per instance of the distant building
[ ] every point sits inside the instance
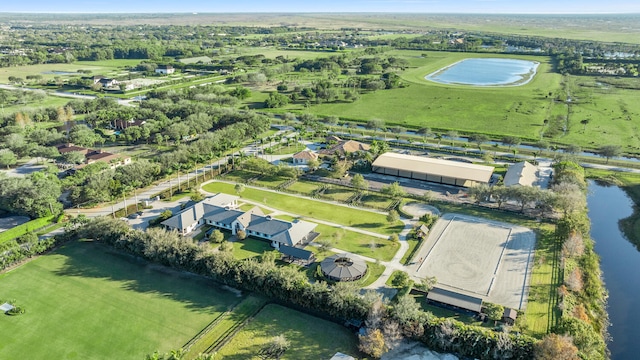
(433, 170)
(165, 69)
(303, 157)
(92, 156)
(123, 124)
(522, 173)
(345, 147)
(107, 82)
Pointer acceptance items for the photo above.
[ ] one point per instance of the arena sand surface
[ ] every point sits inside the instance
(478, 257)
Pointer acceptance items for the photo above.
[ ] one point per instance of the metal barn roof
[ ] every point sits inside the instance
(438, 167)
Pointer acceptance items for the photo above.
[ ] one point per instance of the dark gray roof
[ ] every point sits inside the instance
(186, 217)
(296, 252)
(343, 267)
(267, 225)
(246, 218)
(456, 299)
(223, 216)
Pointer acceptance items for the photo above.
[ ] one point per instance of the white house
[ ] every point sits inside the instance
(303, 157)
(221, 211)
(165, 69)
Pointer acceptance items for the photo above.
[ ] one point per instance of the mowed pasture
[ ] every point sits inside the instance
(85, 301)
(338, 214)
(310, 337)
(500, 111)
(46, 69)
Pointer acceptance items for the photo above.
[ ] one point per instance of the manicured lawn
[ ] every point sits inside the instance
(304, 187)
(395, 273)
(226, 324)
(357, 243)
(250, 247)
(270, 181)
(310, 337)
(314, 209)
(44, 69)
(542, 312)
(374, 271)
(376, 201)
(85, 301)
(49, 101)
(339, 193)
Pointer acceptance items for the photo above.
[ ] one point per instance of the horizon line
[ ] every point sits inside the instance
(312, 12)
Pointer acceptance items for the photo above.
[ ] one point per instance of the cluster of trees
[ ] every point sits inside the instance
(24, 247)
(283, 283)
(386, 323)
(582, 295)
(35, 195)
(265, 168)
(523, 195)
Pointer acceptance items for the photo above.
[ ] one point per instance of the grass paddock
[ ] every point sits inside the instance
(310, 337)
(85, 301)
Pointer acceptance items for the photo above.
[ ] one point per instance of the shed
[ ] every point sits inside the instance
(509, 316)
(433, 170)
(455, 299)
(294, 254)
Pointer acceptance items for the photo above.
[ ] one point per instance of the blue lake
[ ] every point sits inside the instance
(486, 72)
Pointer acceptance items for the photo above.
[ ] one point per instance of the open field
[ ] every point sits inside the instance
(605, 27)
(357, 243)
(310, 337)
(49, 101)
(482, 258)
(542, 312)
(44, 69)
(313, 209)
(74, 306)
(499, 111)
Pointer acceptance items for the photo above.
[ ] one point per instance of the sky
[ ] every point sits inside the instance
(400, 6)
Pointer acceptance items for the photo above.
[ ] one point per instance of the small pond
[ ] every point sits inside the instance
(486, 72)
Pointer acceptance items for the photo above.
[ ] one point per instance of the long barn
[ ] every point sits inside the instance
(433, 170)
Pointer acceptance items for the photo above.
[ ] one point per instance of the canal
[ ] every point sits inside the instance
(620, 263)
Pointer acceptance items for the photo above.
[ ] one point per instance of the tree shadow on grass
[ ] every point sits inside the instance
(92, 260)
(368, 225)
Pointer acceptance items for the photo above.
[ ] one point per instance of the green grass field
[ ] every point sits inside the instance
(310, 337)
(357, 243)
(499, 111)
(542, 312)
(49, 101)
(42, 69)
(313, 209)
(85, 301)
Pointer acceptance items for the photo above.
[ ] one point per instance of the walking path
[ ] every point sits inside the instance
(390, 266)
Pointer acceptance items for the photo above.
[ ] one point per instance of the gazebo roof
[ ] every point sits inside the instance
(343, 267)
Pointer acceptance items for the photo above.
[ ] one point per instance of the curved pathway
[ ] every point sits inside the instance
(390, 266)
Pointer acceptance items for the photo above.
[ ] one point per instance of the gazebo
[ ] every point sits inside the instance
(342, 267)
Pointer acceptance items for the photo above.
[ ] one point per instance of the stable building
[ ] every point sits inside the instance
(439, 296)
(521, 174)
(433, 170)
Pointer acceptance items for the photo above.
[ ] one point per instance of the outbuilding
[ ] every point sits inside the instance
(522, 174)
(455, 299)
(433, 170)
